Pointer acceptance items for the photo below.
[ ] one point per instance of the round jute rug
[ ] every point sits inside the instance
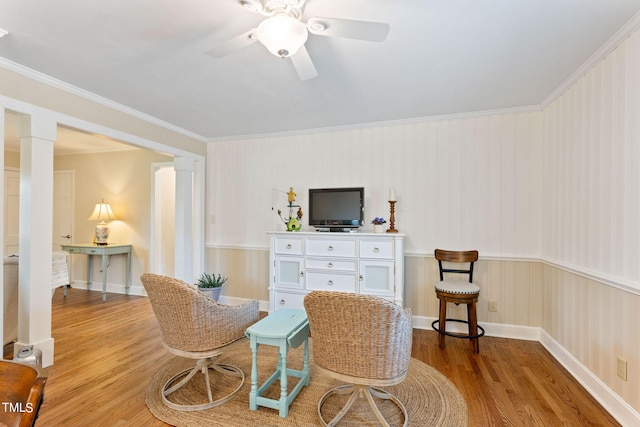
(430, 398)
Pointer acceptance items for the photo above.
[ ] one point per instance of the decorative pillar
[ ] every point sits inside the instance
(183, 269)
(37, 135)
(2, 219)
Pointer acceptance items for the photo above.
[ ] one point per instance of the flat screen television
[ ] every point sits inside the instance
(336, 208)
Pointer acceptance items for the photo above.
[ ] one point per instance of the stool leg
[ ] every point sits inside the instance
(473, 325)
(253, 394)
(442, 322)
(282, 360)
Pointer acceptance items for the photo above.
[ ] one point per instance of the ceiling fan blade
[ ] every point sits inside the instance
(303, 64)
(236, 43)
(361, 30)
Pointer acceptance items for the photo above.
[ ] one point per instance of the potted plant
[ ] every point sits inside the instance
(378, 224)
(210, 285)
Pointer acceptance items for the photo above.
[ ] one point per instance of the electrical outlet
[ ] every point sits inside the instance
(493, 306)
(622, 368)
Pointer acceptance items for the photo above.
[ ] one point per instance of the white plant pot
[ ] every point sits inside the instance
(378, 228)
(212, 293)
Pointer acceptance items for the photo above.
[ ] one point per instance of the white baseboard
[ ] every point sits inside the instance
(614, 404)
(528, 333)
(115, 288)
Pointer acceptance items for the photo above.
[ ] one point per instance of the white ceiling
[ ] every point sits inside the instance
(441, 57)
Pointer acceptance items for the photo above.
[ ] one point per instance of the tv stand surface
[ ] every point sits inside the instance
(336, 230)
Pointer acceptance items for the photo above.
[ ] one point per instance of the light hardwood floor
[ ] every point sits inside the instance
(106, 353)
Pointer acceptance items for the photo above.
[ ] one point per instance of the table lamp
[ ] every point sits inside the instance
(102, 213)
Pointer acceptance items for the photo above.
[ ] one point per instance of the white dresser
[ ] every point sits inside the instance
(364, 263)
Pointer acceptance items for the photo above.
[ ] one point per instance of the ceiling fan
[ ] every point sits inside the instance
(284, 34)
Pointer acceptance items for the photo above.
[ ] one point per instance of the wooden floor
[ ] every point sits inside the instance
(105, 354)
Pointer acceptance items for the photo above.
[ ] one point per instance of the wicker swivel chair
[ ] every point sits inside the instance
(197, 327)
(362, 340)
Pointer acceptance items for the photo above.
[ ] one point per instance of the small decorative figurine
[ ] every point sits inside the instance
(292, 222)
(291, 195)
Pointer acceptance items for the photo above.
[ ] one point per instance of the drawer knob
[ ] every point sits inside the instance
(289, 246)
(376, 249)
(361, 278)
(330, 283)
(281, 302)
(330, 248)
(330, 265)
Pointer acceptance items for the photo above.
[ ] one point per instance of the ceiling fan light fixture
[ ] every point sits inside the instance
(252, 5)
(317, 26)
(282, 34)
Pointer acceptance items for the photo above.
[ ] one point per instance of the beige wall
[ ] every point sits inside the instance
(123, 179)
(11, 159)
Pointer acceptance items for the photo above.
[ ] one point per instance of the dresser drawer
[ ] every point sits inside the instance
(332, 264)
(288, 300)
(317, 281)
(291, 246)
(376, 249)
(332, 248)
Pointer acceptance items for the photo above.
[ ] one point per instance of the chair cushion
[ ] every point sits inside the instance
(457, 287)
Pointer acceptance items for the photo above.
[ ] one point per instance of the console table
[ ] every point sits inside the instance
(105, 251)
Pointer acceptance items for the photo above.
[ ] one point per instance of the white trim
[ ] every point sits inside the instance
(605, 279)
(614, 404)
(609, 46)
(518, 332)
(59, 84)
(615, 282)
(399, 122)
(113, 288)
(74, 122)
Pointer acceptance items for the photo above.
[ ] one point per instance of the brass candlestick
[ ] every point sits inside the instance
(392, 217)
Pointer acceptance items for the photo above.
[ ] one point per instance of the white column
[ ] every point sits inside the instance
(2, 337)
(37, 135)
(184, 219)
(198, 264)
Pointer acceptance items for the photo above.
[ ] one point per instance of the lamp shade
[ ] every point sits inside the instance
(282, 34)
(102, 213)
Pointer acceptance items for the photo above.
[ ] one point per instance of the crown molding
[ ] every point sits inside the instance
(609, 46)
(58, 84)
(399, 122)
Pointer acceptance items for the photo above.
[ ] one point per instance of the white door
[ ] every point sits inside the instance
(62, 208)
(11, 211)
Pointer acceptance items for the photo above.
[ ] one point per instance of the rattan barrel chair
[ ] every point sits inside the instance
(361, 340)
(197, 327)
(458, 292)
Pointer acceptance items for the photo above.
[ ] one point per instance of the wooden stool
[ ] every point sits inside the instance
(457, 292)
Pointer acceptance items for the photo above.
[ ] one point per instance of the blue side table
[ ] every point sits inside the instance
(283, 329)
